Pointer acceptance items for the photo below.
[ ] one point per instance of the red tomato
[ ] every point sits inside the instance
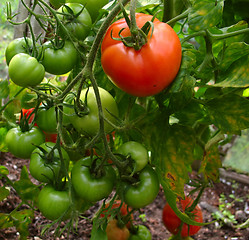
(147, 71)
(172, 222)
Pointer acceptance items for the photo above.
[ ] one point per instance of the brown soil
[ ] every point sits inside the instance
(152, 212)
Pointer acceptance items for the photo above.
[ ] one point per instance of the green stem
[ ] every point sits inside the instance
(227, 35)
(183, 15)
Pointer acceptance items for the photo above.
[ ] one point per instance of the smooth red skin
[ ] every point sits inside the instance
(172, 222)
(147, 71)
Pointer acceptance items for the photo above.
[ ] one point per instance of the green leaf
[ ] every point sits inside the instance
(145, 4)
(4, 89)
(232, 53)
(3, 133)
(25, 188)
(205, 14)
(4, 192)
(5, 222)
(237, 75)
(230, 117)
(211, 164)
(97, 232)
(22, 220)
(4, 170)
(174, 153)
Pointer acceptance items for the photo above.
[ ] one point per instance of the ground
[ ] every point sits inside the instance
(153, 212)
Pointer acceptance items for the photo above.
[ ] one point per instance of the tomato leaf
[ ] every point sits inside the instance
(4, 170)
(205, 14)
(211, 164)
(25, 188)
(4, 192)
(3, 133)
(237, 75)
(174, 154)
(97, 232)
(4, 89)
(229, 117)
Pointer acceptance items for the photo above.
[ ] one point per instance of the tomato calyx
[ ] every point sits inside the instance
(70, 16)
(138, 36)
(26, 120)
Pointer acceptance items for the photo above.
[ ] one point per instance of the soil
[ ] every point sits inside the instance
(209, 202)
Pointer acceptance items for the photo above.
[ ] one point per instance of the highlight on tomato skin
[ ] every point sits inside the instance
(145, 72)
(173, 223)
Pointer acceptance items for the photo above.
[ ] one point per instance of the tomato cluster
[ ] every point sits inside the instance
(66, 135)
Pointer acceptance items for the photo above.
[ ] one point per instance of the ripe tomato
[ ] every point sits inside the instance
(147, 71)
(21, 144)
(53, 203)
(26, 71)
(137, 152)
(89, 187)
(92, 6)
(47, 169)
(18, 45)
(78, 26)
(172, 222)
(143, 192)
(114, 232)
(59, 61)
(89, 124)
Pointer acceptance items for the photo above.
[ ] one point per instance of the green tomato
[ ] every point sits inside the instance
(26, 71)
(18, 45)
(89, 124)
(46, 169)
(142, 233)
(88, 186)
(46, 119)
(59, 61)
(56, 3)
(137, 152)
(21, 144)
(53, 203)
(93, 6)
(79, 26)
(143, 192)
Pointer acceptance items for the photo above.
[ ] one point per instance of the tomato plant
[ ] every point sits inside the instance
(59, 60)
(141, 233)
(173, 223)
(145, 72)
(92, 6)
(144, 191)
(78, 21)
(88, 185)
(18, 45)
(30, 72)
(54, 203)
(179, 86)
(89, 123)
(114, 232)
(45, 163)
(137, 152)
(21, 144)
